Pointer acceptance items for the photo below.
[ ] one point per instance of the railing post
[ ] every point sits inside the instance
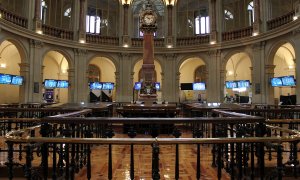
(132, 134)
(109, 133)
(29, 158)
(88, 134)
(176, 134)
(155, 161)
(279, 162)
(10, 158)
(198, 134)
(260, 132)
(45, 131)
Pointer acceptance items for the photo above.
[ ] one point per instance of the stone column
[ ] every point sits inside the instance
(296, 40)
(269, 73)
(82, 21)
(170, 42)
(35, 78)
(259, 85)
(170, 79)
(125, 93)
(223, 73)
(37, 22)
(117, 86)
(71, 89)
(81, 80)
(257, 21)
(126, 39)
(213, 19)
(25, 88)
(214, 88)
(264, 14)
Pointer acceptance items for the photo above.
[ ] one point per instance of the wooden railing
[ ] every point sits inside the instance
(138, 42)
(105, 40)
(57, 32)
(279, 21)
(192, 41)
(13, 18)
(237, 34)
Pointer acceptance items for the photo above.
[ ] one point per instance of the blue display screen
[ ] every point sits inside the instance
(95, 85)
(157, 85)
(276, 82)
(288, 81)
(243, 84)
(108, 86)
(5, 78)
(200, 86)
(231, 84)
(17, 80)
(62, 84)
(137, 86)
(50, 83)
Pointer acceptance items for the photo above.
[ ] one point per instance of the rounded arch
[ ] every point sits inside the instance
(111, 59)
(184, 58)
(138, 66)
(65, 54)
(232, 53)
(20, 47)
(274, 48)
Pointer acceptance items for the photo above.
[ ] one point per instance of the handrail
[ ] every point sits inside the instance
(73, 114)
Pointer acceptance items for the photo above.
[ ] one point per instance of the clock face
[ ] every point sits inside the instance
(149, 19)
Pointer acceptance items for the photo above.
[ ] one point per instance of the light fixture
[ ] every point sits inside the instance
(3, 65)
(39, 31)
(64, 71)
(81, 41)
(291, 66)
(125, 45)
(169, 46)
(230, 73)
(295, 18)
(0, 15)
(212, 42)
(254, 33)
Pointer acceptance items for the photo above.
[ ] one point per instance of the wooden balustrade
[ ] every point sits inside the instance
(13, 18)
(105, 40)
(57, 32)
(237, 34)
(279, 21)
(192, 41)
(138, 42)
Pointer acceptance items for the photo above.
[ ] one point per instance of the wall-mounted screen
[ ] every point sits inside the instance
(17, 80)
(186, 86)
(95, 85)
(5, 78)
(231, 84)
(243, 84)
(276, 81)
(137, 86)
(50, 83)
(200, 86)
(62, 84)
(157, 86)
(288, 81)
(107, 86)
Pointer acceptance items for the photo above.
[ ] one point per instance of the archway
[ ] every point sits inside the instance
(192, 70)
(237, 86)
(10, 59)
(102, 70)
(55, 77)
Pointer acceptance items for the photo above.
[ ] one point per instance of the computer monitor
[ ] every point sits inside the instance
(95, 85)
(243, 84)
(199, 86)
(62, 84)
(137, 86)
(50, 83)
(288, 81)
(107, 86)
(157, 86)
(276, 81)
(5, 78)
(231, 84)
(17, 80)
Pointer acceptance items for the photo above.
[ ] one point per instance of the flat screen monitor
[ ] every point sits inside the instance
(95, 85)
(276, 81)
(288, 81)
(17, 80)
(186, 86)
(50, 83)
(200, 86)
(243, 84)
(62, 84)
(230, 84)
(137, 86)
(157, 86)
(107, 86)
(5, 78)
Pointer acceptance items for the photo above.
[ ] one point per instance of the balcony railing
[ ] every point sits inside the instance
(279, 21)
(57, 32)
(237, 34)
(105, 40)
(138, 42)
(191, 41)
(13, 18)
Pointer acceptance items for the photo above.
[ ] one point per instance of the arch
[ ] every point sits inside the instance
(110, 58)
(183, 59)
(231, 53)
(20, 47)
(274, 48)
(65, 54)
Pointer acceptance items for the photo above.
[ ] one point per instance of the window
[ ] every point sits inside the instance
(228, 15)
(201, 22)
(67, 13)
(43, 11)
(251, 13)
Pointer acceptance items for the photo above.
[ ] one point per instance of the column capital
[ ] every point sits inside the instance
(80, 52)
(36, 43)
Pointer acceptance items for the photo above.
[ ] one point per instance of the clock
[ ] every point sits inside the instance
(149, 19)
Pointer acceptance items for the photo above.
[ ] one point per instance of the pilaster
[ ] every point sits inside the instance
(125, 78)
(37, 22)
(81, 78)
(170, 79)
(214, 86)
(25, 89)
(71, 89)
